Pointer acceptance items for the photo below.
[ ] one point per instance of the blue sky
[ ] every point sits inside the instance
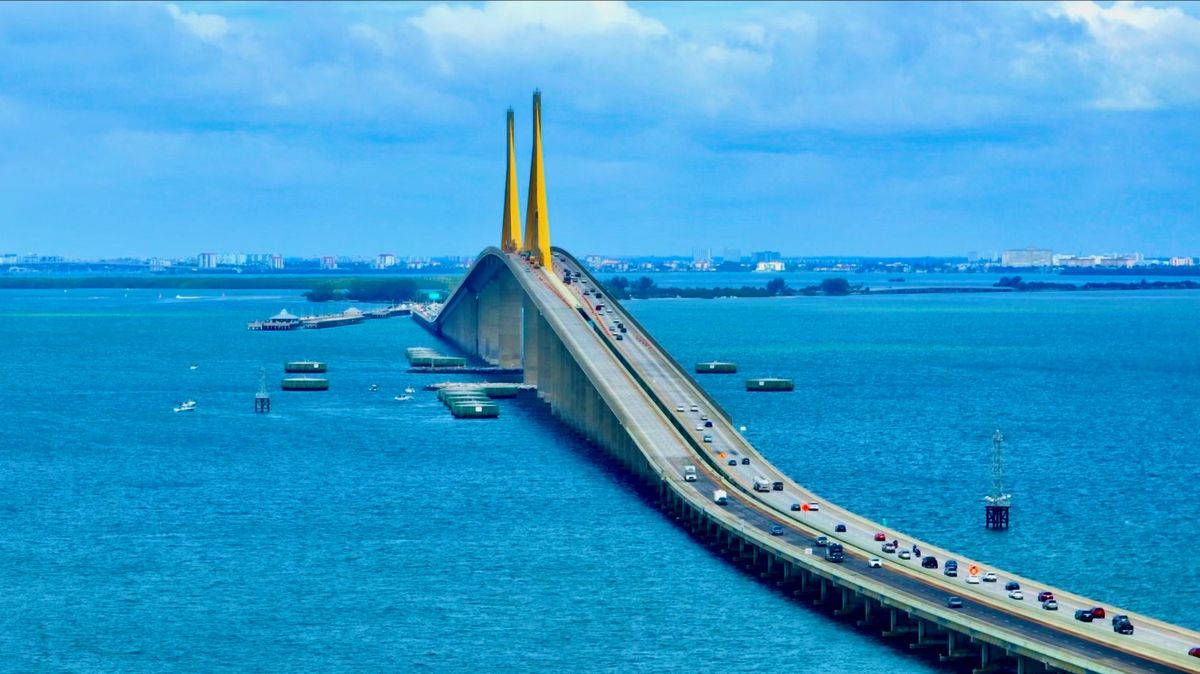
(870, 129)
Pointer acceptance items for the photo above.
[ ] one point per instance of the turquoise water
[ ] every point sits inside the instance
(348, 531)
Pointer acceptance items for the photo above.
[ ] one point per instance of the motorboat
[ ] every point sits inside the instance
(186, 406)
(410, 390)
(404, 397)
(374, 387)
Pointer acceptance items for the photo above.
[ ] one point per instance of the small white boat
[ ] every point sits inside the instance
(187, 297)
(186, 406)
(405, 397)
(193, 366)
(374, 387)
(410, 390)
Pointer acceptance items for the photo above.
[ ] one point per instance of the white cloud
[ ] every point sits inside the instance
(495, 24)
(1143, 57)
(208, 27)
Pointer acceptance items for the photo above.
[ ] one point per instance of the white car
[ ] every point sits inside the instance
(905, 554)
(972, 580)
(813, 506)
(695, 408)
(1016, 594)
(703, 417)
(679, 408)
(989, 577)
(874, 563)
(699, 427)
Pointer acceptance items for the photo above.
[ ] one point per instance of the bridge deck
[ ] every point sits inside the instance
(643, 386)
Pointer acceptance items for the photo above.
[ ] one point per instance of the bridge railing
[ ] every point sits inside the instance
(708, 399)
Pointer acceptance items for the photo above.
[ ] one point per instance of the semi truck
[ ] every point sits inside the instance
(835, 553)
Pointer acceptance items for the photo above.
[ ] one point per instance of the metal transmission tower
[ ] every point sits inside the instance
(999, 501)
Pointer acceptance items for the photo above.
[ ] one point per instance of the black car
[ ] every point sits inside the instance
(732, 462)
(1083, 615)
(745, 461)
(929, 562)
(795, 507)
(1012, 585)
(1121, 624)
(840, 528)
(954, 602)
(776, 530)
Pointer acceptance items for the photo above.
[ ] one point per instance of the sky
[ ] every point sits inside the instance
(149, 129)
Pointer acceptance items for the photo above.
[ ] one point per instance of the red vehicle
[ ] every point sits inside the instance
(880, 537)
(1045, 596)
(1194, 652)
(1098, 613)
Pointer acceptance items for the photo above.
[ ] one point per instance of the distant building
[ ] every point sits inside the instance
(276, 262)
(1028, 257)
(328, 262)
(207, 260)
(158, 264)
(766, 256)
(8, 258)
(1182, 261)
(385, 261)
(769, 266)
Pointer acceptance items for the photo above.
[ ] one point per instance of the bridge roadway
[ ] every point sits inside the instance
(676, 390)
(1155, 646)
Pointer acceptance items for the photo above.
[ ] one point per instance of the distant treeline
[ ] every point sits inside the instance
(645, 288)
(374, 289)
(1016, 283)
(346, 287)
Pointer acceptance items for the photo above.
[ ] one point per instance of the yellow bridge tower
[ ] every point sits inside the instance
(537, 220)
(510, 234)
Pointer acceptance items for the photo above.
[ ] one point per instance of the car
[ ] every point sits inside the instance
(989, 577)
(950, 570)
(1122, 626)
(708, 424)
(699, 427)
(1083, 615)
(708, 438)
(1194, 651)
(929, 562)
(954, 602)
(822, 541)
(874, 563)
(745, 461)
(1012, 585)
(776, 530)
(695, 408)
(732, 462)
(776, 485)
(1050, 605)
(795, 507)
(889, 548)
(905, 554)
(880, 537)
(1099, 613)
(620, 338)
(972, 579)
(679, 408)
(1016, 594)
(814, 506)
(703, 417)
(841, 528)
(1045, 595)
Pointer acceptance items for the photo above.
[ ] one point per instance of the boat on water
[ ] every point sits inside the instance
(186, 406)
(410, 390)
(403, 397)
(187, 297)
(374, 387)
(193, 366)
